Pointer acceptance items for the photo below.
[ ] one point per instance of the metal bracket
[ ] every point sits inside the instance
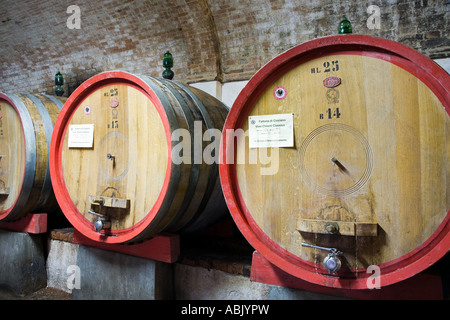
(110, 202)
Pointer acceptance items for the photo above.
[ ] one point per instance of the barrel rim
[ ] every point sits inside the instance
(67, 206)
(435, 247)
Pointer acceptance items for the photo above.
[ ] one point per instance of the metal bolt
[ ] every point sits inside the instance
(332, 227)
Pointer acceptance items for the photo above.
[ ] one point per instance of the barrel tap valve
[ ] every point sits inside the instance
(331, 262)
(103, 222)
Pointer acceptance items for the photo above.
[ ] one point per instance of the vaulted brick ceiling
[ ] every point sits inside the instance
(224, 40)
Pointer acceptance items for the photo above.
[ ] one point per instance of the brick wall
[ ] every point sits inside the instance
(223, 40)
(256, 31)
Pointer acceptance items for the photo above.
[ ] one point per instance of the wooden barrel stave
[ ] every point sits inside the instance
(32, 189)
(200, 172)
(213, 114)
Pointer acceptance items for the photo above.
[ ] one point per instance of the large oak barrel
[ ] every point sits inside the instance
(133, 156)
(343, 178)
(26, 125)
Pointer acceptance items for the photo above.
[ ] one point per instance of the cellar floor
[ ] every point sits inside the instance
(43, 294)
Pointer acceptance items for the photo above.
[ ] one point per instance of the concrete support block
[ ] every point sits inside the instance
(282, 293)
(62, 256)
(194, 283)
(22, 262)
(106, 275)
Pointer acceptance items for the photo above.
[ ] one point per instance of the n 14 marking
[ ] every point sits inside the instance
(331, 113)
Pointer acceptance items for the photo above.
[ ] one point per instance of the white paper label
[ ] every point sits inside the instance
(275, 130)
(81, 136)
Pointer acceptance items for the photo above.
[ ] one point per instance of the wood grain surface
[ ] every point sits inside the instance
(371, 153)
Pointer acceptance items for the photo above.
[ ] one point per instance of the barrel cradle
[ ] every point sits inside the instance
(26, 125)
(127, 158)
(364, 182)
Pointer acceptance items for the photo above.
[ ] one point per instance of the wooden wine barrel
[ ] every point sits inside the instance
(131, 157)
(348, 148)
(26, 125)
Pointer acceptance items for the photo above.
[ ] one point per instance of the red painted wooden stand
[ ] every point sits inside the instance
(163, 247)
(422, 286)
(35, 223)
